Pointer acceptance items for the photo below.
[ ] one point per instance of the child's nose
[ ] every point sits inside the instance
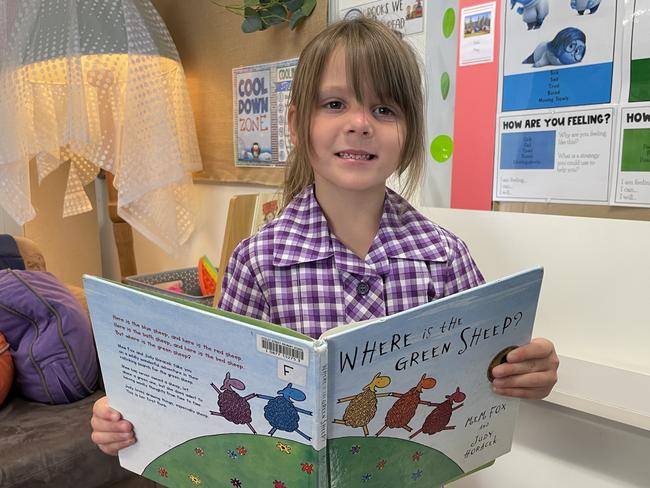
(359, 121)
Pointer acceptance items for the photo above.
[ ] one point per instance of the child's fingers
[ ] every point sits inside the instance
(538, 348)
(102, 410)
(531, 380)
(101, 425)
(112, 448)
(527, 393)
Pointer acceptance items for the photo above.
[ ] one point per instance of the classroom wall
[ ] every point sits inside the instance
(592, 305)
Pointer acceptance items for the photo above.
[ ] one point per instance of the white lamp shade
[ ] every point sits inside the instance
(98, 83)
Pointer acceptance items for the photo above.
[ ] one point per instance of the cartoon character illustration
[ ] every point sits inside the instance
(280, 411)
(533, 12)
(233, 407)
(438, 419)
(403, 410)
(255, 150)
(363, 406)
(567, 47)
(583, 5)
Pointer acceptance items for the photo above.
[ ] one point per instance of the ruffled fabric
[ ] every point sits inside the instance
(97, 84)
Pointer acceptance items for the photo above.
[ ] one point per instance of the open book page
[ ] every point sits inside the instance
(212, 398)
(409, 397)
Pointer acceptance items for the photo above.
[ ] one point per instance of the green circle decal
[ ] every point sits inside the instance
(448, 22)
(444, 85)
(442, 147)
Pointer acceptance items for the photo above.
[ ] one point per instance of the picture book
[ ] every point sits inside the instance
(220, 400)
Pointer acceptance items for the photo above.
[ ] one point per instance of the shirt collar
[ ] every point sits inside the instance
(302, 235)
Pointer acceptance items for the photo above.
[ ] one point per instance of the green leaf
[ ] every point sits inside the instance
(293, 5)
(444, 85)
(250, 3)
(308, 7)
(275, 14)
(296, 17)
(252, 23)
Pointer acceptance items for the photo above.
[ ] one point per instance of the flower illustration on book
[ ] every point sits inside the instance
(381, 464)
(355, 449)
(278, 484)
(283, 448)
(417, 456)
(241, 450)
(366, 477)
(195, 479)
(163, 472)
(417, 475)
(235, 482)
(307, 468)
(199, 451)
(232, 454)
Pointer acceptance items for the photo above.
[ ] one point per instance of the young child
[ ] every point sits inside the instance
(346, 248)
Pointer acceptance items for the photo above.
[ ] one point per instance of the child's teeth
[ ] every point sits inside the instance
(355, 156)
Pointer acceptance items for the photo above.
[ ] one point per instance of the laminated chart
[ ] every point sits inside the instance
(558, 54)
(633, 174)
(640, 53)
(561, 157)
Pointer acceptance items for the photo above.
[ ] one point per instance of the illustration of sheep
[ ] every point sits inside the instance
(281, 413)
(439, 418)
(233, 407)
(363, 406)
(403, 410)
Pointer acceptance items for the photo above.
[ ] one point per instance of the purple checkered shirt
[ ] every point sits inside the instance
(296, 273)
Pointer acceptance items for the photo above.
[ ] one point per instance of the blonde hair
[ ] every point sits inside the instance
(375, 54)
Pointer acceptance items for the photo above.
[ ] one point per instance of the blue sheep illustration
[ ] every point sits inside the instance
(567, 47)
(533, 12)
(583, 5)
(281, 413)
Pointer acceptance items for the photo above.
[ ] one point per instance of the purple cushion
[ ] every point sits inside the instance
(49, 336)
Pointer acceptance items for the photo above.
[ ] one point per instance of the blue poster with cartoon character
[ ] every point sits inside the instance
(558, 54)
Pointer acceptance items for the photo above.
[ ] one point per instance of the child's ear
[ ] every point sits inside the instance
(291, 120)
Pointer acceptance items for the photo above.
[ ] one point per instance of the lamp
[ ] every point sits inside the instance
(97, 83)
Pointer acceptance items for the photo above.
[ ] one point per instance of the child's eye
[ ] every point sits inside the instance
(384, 111)
(333, 105)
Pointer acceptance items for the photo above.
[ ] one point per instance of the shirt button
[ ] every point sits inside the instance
(363, 288)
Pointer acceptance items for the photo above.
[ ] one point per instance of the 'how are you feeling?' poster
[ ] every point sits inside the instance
(561, 157)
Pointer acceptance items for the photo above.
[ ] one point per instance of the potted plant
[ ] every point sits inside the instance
(262, 14)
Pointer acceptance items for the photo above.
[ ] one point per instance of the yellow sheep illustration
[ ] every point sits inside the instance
(363, 405)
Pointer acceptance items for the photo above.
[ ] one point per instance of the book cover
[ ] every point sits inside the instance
(221, 400)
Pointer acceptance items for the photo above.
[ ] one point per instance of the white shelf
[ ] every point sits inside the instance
(608, 392)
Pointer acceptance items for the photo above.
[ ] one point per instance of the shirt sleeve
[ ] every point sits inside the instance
(240, 291)
(462, 272)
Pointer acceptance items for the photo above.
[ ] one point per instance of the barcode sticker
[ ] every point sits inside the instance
(289, 352)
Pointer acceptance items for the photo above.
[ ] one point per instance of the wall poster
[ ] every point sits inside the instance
(558, 54)
(261, 97)
(639, 83)
(633, 171)
(562, 157)
(477, 37)
(405, 16)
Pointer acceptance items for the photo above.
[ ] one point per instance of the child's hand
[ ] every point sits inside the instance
(531, 371)
(110, 432)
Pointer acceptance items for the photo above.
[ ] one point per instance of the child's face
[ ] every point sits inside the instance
(356, 145)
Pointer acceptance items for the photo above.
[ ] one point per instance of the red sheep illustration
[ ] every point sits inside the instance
(439, 418)
(233, 407)
(403, 410)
